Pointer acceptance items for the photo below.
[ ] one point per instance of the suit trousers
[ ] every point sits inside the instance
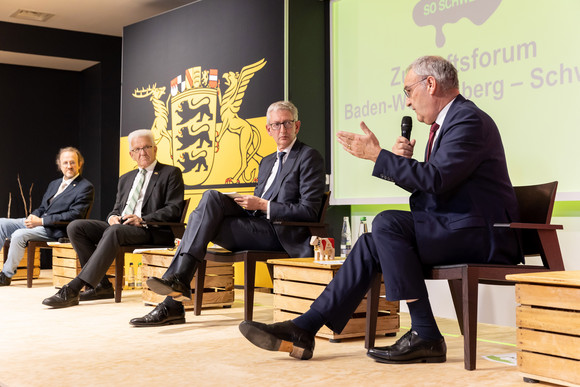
(97, 243)
(19, 235)
(219, 219)
(390, 249)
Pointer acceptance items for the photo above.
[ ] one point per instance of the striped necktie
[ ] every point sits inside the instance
(134, 195)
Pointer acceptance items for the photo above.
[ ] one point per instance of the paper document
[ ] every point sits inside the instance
(330, 261)
(232, 194)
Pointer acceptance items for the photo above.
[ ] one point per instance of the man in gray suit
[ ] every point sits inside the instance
(152, 193)
(290, 187)
(66, 199)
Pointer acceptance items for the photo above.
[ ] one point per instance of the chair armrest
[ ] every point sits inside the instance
(531, 226)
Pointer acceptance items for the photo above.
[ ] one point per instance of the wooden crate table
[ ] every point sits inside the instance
(299, 281)
(22, 265)
(218, 287)
(548, 326)
(66, 265)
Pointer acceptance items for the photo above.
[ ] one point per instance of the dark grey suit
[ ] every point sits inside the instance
(97, 243)
(297, 196)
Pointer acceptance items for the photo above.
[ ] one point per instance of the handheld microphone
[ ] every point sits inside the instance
(406, 126)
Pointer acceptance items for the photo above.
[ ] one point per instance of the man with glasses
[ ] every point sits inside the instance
(151, 193)
(460, 190)
(66, 199)
(290, 187)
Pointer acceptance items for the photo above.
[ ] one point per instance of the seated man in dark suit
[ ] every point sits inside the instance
(65, 200)
(151, 193)
(290, 187)
(457, 194)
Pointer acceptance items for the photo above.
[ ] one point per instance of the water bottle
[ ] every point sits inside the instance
(362, 227)
(345, 240)
(139, 277)
(130, 277)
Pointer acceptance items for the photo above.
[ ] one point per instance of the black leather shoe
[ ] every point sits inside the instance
(410, 348)
(161, 315)
(98, 293)
(64, 298)
(283, 336)
(172, 287)
(4, 279)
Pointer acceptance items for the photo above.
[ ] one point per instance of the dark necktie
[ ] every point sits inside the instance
(432, 132)
(268, 194)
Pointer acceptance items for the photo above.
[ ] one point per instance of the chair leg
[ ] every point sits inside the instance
(455, 286)
(5, 248)
(199, 284)
(470, 290)
(372, 311)
(30, 263)
(249, 283)
(119, 275)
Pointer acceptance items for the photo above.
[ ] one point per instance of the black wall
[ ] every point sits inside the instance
(43, 110)
(309, 84)
(39, 115)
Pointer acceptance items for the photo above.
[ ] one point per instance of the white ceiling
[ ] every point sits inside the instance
(106, 17)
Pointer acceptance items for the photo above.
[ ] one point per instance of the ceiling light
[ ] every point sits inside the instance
(31, 15)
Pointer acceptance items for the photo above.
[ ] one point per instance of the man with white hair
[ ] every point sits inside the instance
(151, 193)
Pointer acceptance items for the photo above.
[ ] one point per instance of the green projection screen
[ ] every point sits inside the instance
(517, 60)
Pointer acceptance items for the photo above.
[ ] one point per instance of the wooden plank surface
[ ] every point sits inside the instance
(304, 262)
(548, 296)
(65, 262)
(549, 343)
(567, 322)
(568, 278)
(62, 251)
(303, 274)
(553, 367)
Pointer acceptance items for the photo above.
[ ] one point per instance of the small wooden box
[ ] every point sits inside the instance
(21, 271)
(299, 281)
(65, 264)
(548, 322)
(218, 287)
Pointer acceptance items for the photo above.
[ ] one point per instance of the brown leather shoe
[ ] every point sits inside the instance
(410, 348)
(283, 336)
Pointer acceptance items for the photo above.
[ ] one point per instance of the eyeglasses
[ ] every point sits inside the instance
(407, 90)
(137, 150)
(287, 124)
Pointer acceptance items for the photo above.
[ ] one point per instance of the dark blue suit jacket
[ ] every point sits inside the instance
(460, 192)
(297, 195)
(73, 203)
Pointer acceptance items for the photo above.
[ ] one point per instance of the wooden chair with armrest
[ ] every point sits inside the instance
(539, 237)
(250, 257)
(178, 229)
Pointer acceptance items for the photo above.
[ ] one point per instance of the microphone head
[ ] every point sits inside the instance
(406, 126)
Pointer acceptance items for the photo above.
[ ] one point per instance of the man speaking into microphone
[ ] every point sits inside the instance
(459, 189)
